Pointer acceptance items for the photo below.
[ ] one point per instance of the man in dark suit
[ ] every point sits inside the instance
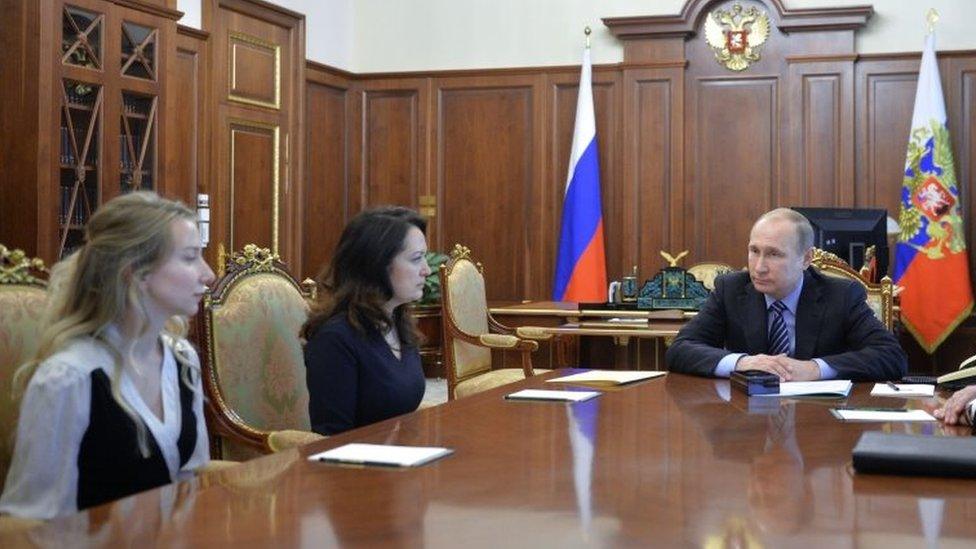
(783, 318)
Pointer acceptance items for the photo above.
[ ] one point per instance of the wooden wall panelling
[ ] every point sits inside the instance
(733, 137)
(489, 141)
(740, 147)
(188, 115)
(561, 100)
(328, 124)
(653, 180)
(257, 52)
(959, 85)
(820, 127)
(392, 161)
(732, 163)
(884, 98)
(26, 118)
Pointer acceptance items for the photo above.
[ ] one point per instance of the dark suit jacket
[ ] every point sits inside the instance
(833, 323)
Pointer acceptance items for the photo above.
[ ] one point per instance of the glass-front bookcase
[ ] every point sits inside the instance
(109, 90)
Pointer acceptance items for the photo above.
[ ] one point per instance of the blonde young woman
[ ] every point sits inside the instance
(113, 400)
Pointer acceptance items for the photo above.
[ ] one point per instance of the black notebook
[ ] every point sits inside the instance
(897, 454)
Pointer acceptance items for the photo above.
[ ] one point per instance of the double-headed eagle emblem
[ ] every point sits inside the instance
(736, 37)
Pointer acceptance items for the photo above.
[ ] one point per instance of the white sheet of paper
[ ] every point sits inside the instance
(884, 415)
(611, 377)
(832, 387)
(559, 396)
(904, 390)
(381, 454)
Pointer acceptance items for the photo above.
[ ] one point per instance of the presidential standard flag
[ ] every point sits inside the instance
(581, 272)
(930, 257)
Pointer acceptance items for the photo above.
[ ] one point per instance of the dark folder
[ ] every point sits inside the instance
(897, 454)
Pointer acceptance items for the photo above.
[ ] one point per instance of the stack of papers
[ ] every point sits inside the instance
(868, 414)
(903, 390)
(559, 396)
(381, 454)
(831, 388)
(607, 377)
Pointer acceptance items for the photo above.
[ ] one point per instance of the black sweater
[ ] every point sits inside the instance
(355, 379)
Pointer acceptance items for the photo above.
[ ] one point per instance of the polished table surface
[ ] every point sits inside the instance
(672, 461)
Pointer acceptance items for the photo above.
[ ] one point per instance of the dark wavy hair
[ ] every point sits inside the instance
(356, 283)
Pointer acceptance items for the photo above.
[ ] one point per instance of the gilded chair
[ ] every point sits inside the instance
(23, 296)
(470, 332)
(880, 295)
(706, 272)
(254, 369)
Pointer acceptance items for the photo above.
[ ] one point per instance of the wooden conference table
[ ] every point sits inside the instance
(664, 462)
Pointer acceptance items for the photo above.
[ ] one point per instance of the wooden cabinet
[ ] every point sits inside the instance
(81, 114)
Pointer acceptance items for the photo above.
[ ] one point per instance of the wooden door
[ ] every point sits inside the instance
(256, 54)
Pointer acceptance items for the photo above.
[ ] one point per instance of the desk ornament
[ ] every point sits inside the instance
(628, 287)
(672, 288)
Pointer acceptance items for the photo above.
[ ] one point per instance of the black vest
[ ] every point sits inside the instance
(110, 465)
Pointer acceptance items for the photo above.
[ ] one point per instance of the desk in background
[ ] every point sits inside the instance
(594, 341)
(677, 461)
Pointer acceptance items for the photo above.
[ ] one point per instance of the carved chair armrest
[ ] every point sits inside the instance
(502, 342)
(215, 465)
(507, 342)
(11, 525)
(498, 327)
(233, 427)
(292, 438)
(534, 333)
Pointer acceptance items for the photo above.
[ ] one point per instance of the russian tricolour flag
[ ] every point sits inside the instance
(581, 272)
(930, 258)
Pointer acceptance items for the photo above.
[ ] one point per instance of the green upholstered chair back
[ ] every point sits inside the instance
(23, 296)
(463, 291)
(255, 371)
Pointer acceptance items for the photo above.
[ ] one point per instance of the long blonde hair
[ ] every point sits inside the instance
(128, 237)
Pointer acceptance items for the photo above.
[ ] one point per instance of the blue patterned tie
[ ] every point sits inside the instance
(779, 337)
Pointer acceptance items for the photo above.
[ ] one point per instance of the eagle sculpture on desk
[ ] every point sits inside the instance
(736, 36)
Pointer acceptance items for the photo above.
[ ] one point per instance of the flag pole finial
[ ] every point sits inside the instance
(932, 17)
(587, 31)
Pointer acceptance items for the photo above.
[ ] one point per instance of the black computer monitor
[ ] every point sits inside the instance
(848, 232)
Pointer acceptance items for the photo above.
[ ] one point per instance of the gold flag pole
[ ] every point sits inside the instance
(932, 17)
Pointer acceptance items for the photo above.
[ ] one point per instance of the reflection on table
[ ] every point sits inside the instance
(671, 461)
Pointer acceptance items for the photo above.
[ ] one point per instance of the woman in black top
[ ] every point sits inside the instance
(361, 357)
(113, 403)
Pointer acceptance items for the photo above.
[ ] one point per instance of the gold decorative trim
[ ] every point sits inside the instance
(886, 288)
(17, 268)
(274, 49)
(673, 259)
(239, 123)
(461, 252)
(428, 205)
(260, 259)
(504, 311)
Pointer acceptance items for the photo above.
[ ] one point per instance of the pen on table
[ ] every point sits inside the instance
(893, 386)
